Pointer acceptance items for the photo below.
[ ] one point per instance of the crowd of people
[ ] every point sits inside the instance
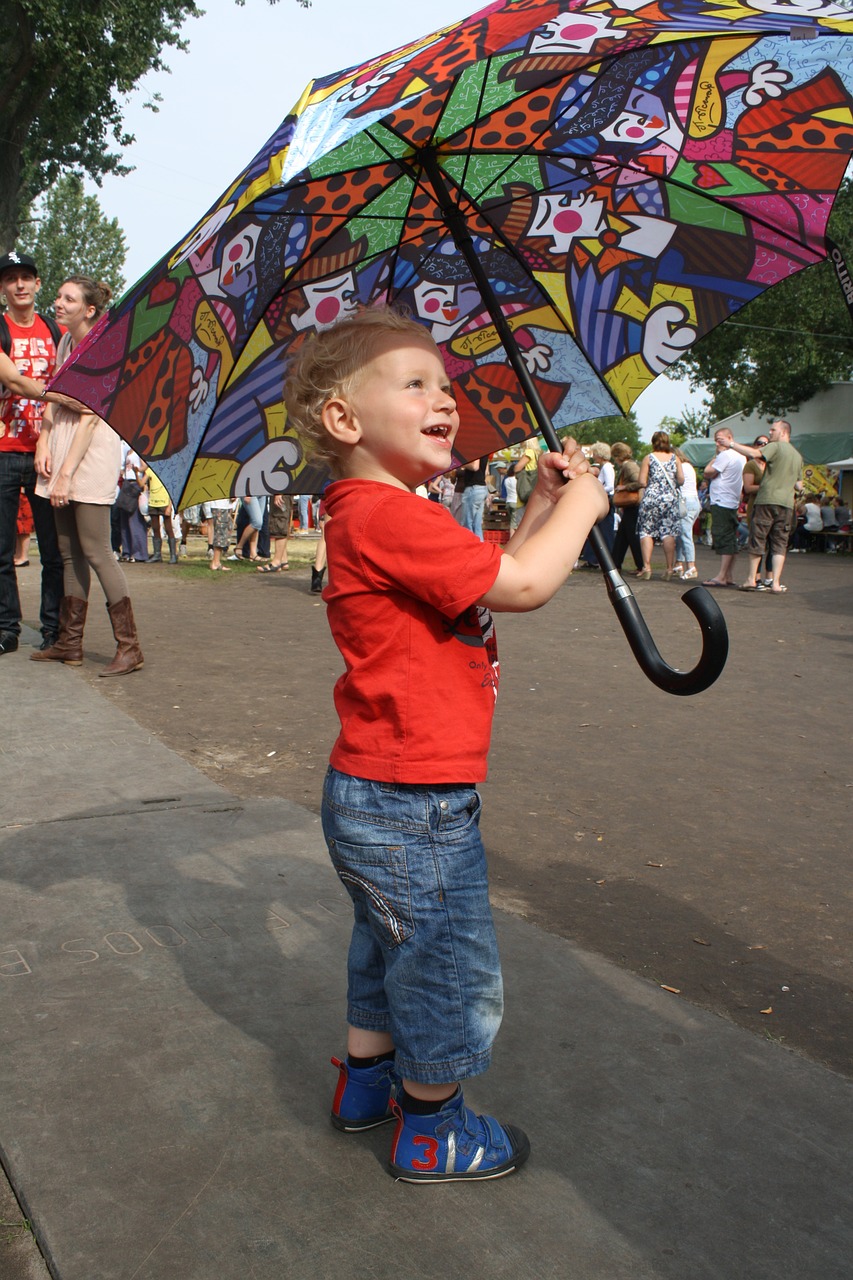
(749, 497)
(91, 501)
(757, 500)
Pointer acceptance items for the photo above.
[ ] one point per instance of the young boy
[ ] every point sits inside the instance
(408, 603)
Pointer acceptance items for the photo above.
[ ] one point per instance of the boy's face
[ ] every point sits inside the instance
(400, 419)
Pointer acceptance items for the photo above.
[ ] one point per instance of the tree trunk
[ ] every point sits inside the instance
(10, 191)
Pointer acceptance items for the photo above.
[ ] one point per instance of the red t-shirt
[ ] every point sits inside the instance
(417, 699)
(34, 352)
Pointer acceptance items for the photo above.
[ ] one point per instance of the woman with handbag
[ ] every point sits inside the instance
(662, 476)
(78, 457)
(626, 500)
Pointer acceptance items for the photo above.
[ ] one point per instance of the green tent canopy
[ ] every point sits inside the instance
(817, 447)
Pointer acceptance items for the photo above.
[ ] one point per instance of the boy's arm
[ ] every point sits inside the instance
(542, 553)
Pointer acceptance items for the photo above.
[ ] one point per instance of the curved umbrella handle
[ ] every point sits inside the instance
(715, 636)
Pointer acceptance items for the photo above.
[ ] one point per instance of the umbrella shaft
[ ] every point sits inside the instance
(457, 226)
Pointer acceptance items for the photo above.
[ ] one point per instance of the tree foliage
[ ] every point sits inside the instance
(608, 429)
(781, 349)
(66, 67)
(68, 234)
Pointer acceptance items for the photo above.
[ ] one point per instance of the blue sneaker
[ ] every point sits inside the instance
(454, 1145)
(363, 1096)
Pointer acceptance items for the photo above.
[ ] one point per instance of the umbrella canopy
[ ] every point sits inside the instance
(630, 176)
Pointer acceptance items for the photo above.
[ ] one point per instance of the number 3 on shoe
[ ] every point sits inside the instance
(454, 1145)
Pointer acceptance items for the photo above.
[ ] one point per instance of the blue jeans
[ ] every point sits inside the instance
(255, 508)
(423, 958)
(685, 552)
(17, 472)
(134, 535)
(471, 515)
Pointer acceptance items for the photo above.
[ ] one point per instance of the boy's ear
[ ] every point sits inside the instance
(340, 421)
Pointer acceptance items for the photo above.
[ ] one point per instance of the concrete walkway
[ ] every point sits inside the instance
(171, 988)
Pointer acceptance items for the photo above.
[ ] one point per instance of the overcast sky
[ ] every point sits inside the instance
(245, 69)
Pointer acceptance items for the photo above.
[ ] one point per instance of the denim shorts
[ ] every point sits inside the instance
(423, 959)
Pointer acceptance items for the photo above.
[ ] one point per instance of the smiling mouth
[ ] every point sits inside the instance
(440, 433)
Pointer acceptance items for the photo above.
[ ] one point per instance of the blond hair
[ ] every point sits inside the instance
(329, 365)
(600, 450)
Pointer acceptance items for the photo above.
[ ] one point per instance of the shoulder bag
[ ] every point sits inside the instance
(682, 501)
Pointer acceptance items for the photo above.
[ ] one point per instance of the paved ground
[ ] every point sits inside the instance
(171, 942)
(742, 795)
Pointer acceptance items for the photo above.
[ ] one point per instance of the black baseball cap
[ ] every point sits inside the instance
(13, 259)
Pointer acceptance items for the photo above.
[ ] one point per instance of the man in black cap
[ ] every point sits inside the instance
(30, 341)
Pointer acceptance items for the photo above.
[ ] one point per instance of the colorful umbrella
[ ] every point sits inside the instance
(582, 189)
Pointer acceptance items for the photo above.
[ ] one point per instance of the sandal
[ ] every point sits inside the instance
(219, 568)
(271, 568)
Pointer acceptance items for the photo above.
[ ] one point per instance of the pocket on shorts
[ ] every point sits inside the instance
(459, 812)
(379, 877)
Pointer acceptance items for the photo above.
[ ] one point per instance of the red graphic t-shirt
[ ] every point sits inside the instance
(34, 353)
(417, 699)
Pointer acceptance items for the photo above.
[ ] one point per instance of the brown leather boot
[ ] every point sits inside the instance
(128, 656)
(69, 643)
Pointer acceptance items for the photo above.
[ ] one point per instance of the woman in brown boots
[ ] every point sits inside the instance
(78, 458)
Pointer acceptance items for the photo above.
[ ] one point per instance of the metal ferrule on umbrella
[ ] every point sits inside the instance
(715, 637)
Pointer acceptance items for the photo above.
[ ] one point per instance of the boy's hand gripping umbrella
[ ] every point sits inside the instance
(566, 194)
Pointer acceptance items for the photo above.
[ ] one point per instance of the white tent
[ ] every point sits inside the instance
(846, 464)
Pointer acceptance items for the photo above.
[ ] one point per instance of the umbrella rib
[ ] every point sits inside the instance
(527, 150)
(469, 152)
(407, 169)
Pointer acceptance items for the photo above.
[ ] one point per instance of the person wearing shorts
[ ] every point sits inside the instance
(221, 517)
(281, 517)
(725, 473)
(773, 513)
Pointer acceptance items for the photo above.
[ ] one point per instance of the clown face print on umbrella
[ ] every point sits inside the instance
(629, 175)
